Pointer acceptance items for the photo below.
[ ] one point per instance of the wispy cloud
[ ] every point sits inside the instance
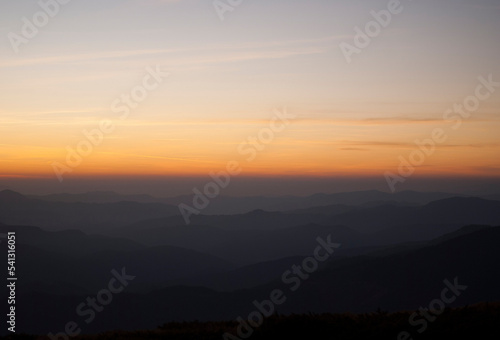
(240, 52)
(411, 145)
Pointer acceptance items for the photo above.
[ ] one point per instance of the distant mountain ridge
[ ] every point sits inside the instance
(97, 197)
(9, 196)
(237, 205)
(17, 209)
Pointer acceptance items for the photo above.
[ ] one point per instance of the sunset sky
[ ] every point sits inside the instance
(227, 78)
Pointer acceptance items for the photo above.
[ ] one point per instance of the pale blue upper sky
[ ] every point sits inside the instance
(265, 53)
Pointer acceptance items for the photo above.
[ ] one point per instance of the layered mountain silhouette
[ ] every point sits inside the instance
(17, 209)
(403, 280)
(395, 254)
(225, 205)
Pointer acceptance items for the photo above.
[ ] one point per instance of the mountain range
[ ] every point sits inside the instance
(395, 253)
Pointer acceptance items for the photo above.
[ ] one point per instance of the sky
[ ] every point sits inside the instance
(223, 82)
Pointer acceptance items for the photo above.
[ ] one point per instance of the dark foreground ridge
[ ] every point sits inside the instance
(479, 321)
